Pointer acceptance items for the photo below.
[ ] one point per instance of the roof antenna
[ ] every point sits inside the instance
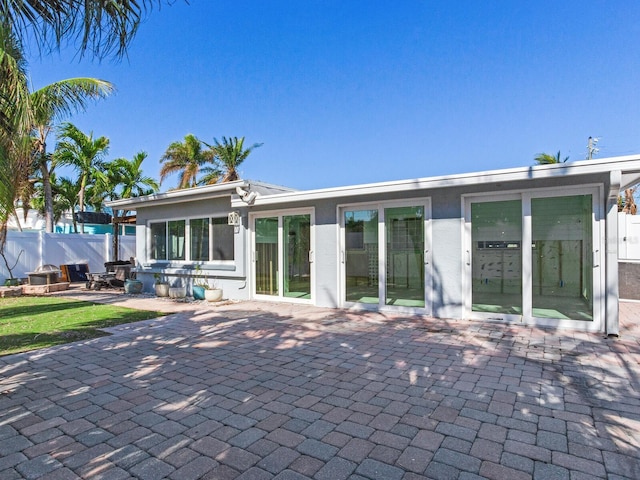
(591, 147)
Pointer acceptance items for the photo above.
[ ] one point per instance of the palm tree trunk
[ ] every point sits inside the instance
(48, 197)
(81, 201)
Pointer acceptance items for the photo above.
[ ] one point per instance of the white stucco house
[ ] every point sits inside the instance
(533, 245)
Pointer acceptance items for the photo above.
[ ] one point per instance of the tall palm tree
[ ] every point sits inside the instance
(548, 159)
(230, 154)
(84, 153)
(15, 145)
(186, 159)
(52, 103)
(100, 27)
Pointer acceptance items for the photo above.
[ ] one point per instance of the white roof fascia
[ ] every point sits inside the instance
(189, 194)
(630, 163)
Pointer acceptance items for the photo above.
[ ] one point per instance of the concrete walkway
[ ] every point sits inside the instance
(272, 391)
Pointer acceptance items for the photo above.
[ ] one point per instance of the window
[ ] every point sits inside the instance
(222, 234)
(177, 240)
(158, 241)
(208, 239)
(199, 232)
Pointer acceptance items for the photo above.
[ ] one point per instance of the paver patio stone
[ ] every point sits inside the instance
(263, 391)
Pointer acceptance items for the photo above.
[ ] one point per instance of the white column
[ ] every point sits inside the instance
(612, 323)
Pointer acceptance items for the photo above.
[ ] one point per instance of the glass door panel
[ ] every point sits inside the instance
(562, 256)
(361, 256)
(404, 231)
(266, 252)
(496, 270)
(297, 247)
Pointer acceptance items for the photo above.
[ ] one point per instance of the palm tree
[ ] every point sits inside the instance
(127, 180)
(187, 159)
(230, 154)
(100, 27)
(51, 103)
(15, 145)
(65, 198)
(131, 179)
(84, 153)
(548, 159)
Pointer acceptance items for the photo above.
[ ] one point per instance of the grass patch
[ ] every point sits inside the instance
(29, 323)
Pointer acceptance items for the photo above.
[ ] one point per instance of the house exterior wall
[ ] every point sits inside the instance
(445, 236)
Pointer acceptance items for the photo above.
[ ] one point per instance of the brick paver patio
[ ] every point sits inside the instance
(259, 391)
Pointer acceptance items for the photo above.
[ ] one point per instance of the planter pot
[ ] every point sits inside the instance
(213, 295)
(132, 286)
(177, 292)
(198, 292)
(162, 289)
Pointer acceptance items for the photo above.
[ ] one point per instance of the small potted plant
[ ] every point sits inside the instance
(200, 285)
(162, 287)
(213, 293)
(177, 291)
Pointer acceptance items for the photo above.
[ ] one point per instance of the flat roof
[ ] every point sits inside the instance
(628, 165)
(268, 194)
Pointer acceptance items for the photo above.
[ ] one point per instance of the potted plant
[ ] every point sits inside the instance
(177, 292)
(132, 286)
(162, 287)
(199, 284)
(213, 293)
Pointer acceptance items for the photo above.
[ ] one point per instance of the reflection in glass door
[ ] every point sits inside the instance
(297, 247)
(266, 256)
(531, 258)
(384, 255)
(361, 256)
(404, 232)
(283, 257)
(561, 247)
(496, 271)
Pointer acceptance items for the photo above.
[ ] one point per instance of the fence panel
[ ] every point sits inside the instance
(40, 248)
(61, 248)
(23, 247)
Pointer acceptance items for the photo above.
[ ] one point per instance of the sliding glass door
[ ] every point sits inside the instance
(282, 256)
(496, 270)
(530, 257)
(384, 253)
(266, 256)
(562, 258)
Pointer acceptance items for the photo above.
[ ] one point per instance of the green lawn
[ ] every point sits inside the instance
(29, 323)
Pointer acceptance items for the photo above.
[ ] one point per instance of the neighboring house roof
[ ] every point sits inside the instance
(191, 194)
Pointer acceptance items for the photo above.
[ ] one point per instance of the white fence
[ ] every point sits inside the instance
(628, 237)
(39, 248)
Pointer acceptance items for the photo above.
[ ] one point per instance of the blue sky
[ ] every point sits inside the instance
(354, 91)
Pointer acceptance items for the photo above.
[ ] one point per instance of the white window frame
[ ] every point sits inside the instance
(598, 243)
(187, 261)
(280, 214)
(380, 206)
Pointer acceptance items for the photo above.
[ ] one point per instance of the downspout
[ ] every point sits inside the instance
(612, 315)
